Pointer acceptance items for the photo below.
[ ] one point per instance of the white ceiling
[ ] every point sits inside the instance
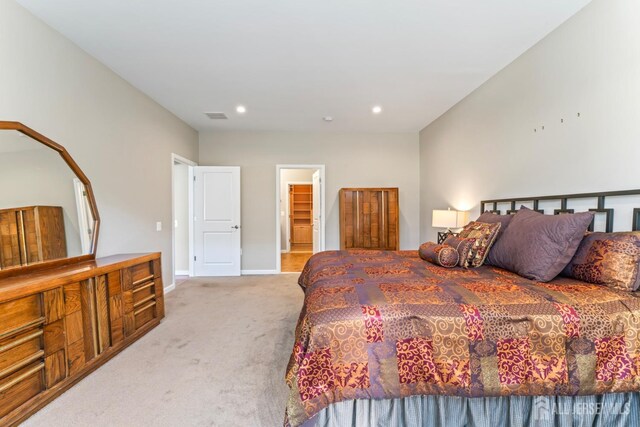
(291, 62)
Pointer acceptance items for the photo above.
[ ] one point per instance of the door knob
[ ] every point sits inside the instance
(236, 227)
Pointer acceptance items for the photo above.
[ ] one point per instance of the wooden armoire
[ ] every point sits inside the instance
(31, 234)
(369, 218)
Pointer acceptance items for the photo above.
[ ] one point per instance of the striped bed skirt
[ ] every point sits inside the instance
(608, 410)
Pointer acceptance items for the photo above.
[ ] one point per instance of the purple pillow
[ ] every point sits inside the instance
(491, 218)
(442, 255)
(538, 246)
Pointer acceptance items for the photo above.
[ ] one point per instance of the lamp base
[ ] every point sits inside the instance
(442, 236)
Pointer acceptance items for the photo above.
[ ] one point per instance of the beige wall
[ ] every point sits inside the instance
(352, 160)
(122, 139)
(40, 177)
(590, 65)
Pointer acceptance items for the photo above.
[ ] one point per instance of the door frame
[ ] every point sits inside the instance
(175, 158)
(84, 211)
(323, 202)
(287, 212)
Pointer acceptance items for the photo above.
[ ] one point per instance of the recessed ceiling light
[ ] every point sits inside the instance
(327, 118)
(377, 109)
(241, 109)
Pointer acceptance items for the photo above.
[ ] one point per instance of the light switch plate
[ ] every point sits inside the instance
(159, 226)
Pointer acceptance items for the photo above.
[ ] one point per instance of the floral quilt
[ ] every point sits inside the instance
(380, 325)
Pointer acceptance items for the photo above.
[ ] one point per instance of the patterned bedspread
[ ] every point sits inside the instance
(387, 324)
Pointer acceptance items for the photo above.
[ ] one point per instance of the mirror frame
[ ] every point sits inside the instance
(13, 271)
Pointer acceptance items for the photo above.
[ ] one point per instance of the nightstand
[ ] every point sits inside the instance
(444, 235)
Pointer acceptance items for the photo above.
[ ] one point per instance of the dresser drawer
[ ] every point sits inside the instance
(20, 313)
(141, 273)
(143, 293)
(19, 348)
(21, 386)
(144, 313)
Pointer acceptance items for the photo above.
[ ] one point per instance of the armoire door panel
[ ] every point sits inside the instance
(30, 235)
(347, 230)
(50, 231)
(366, 219)
(374, 240)
(369, 218)
(9, 240)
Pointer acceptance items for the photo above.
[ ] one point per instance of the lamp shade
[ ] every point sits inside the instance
(448, 219)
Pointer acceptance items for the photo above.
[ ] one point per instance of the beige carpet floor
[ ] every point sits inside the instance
(217, 359)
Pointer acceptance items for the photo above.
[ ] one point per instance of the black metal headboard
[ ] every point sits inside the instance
(564, 199)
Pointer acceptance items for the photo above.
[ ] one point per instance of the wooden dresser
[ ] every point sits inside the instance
(59, 324)
(369, 218)
(31, 234)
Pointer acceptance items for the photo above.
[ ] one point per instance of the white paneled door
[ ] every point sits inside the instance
(217, 220)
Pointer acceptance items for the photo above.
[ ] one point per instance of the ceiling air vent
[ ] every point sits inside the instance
(217, 116)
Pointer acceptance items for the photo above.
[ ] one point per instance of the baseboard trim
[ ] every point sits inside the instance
(171, 287)
(257, 272)
(182, 272)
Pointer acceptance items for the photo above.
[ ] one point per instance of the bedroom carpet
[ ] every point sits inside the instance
(217, 359)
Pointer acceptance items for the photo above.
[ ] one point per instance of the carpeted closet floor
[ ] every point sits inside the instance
(217, 359)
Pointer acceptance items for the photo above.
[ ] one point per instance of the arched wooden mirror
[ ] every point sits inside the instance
(48, 213)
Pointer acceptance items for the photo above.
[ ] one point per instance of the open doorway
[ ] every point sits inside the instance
(299, 216)
(182, 202)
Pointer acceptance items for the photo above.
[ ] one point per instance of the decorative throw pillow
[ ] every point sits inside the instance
(442, 255)
(611, 259)
(539, 246)
(464, 247)
(485, 234)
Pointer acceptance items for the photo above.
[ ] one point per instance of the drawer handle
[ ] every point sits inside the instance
(148, 285)
(151, 304)
(21, 340)
(21, 377)
(142, 301)
(37, 322)
(144, 279)
(21, 364)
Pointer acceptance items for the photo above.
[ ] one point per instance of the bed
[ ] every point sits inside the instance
(385, 338)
